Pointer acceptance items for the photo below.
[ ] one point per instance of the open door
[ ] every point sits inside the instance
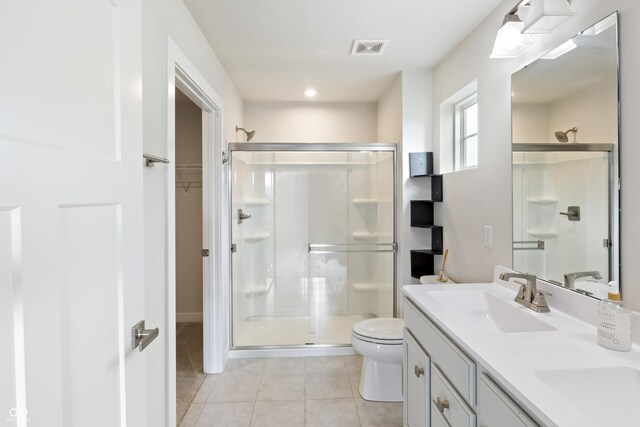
(71, 235)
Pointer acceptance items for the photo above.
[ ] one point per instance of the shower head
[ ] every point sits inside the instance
(562, 136)
(249, 134)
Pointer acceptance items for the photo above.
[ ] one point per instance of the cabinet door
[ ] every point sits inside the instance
(416, 383)
(437, 420)
(496, 409)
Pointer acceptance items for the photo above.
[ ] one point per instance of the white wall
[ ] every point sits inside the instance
(311, 121)
(417, 136)
(188, 213)
(162, 18)
(483, 196)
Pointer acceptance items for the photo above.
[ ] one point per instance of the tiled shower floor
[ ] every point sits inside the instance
(282, 392)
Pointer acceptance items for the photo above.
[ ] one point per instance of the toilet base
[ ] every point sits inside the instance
(380, 381)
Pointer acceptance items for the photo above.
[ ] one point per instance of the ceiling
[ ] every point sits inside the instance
(274, 49)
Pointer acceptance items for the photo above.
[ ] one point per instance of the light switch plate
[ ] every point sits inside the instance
(488, 236)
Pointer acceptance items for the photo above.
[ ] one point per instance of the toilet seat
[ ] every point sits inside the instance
(380, 330)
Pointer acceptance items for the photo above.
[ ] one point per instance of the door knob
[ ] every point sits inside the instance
(418, 371)
(141, 337)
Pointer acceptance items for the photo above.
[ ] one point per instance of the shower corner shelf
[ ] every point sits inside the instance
(364, 235)
(255, 202)
(365, 287)
(257, 290)
(256, 237)
(543, 234)
(543, 201)
(365, 202)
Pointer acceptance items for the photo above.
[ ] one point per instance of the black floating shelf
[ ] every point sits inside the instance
(421, 213)
(436, 187)
(422, 262)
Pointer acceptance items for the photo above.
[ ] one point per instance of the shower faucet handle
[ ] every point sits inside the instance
(242, 216)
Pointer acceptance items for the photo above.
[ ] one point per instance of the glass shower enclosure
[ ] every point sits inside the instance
(313, 241)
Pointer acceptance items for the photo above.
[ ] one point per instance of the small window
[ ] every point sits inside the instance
(466, 133)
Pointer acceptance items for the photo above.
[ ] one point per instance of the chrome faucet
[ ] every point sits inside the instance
(570, 278)
(528, 295)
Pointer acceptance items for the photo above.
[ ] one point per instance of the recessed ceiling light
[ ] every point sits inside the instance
(310, 92)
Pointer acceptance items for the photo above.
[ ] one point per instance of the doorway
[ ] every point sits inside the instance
(183, 76)
(189, 267)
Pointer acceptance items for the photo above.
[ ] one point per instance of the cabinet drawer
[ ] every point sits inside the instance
(416, 383)
(496, 409)
(459, 369)
(453, 408)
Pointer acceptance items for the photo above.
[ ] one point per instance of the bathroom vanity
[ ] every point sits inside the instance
(473, 357)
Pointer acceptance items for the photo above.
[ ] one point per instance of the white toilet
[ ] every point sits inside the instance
(379, 341)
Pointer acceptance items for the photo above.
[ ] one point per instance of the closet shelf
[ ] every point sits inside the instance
(188, 176)
(543, 234)
(256, 237)
(365, 287)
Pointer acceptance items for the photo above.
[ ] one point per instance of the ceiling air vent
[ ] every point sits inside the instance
(369, 47)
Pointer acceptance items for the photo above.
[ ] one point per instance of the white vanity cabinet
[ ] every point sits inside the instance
(416, 382)
(443, 386)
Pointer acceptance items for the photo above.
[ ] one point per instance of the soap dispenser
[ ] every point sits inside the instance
(614, 323)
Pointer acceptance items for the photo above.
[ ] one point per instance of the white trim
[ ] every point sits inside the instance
(188, 317)
(183, 74)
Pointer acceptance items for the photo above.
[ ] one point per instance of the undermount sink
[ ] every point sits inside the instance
(609, 396)
(486, 312)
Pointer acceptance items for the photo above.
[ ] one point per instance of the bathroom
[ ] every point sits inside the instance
(403, 101)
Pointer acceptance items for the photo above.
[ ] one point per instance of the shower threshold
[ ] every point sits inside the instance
(296, 331)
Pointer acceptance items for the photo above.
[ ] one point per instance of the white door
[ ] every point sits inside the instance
(71, 263)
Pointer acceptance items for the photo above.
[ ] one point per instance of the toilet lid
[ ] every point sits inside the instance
(380, 328)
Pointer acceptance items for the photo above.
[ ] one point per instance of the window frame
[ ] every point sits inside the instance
(460, 148)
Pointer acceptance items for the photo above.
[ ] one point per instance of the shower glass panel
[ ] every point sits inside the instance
(314, 239)
(562, 203)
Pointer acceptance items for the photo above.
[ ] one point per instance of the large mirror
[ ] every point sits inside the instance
(565, 163)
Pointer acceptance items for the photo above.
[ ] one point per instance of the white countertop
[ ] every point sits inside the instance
(513, 359)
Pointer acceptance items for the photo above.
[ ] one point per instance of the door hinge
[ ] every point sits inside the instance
(205, 252)
(233, 248)
(607, 243)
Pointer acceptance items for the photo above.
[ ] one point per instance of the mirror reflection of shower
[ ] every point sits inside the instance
(563, 136)
(250, 134)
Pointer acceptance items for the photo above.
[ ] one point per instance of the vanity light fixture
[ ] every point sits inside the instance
(510, 42)
(542, 16)
(310, 93)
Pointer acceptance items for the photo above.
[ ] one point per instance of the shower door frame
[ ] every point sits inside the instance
(308, 147)
(613, 187)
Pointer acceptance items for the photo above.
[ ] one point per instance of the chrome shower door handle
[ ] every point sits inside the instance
(242, 216)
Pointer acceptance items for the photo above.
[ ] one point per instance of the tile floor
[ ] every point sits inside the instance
(282, 392)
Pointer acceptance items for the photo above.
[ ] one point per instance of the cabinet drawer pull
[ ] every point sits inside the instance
(418, 371)
(442, 404)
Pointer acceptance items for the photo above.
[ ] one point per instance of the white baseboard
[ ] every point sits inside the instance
(188, 317)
